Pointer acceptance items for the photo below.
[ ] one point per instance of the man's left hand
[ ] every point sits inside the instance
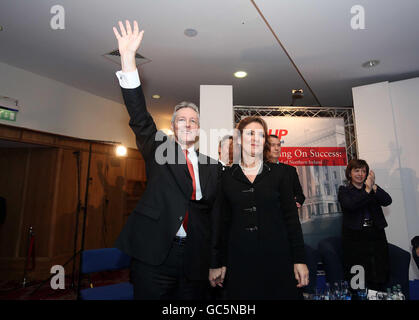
(301, 274)
(216, 276)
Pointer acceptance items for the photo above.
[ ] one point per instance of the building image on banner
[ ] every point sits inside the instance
(316, 147)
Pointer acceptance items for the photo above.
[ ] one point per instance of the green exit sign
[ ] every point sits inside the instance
(8, 115)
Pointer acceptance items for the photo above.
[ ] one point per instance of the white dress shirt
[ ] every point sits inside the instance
(128, 80)
(131, 80)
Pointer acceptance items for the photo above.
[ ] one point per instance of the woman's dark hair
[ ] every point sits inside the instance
(356, 164)
(240, 127)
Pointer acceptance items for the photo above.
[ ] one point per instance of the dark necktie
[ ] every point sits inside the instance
(193, 197)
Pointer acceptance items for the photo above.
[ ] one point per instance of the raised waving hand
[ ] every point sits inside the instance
(129, 41)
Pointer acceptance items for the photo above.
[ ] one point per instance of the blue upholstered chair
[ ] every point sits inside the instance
(330, 250)
(106, 259)
(331, 255)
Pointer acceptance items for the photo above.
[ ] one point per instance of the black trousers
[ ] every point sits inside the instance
(367, 247)
(166, 281)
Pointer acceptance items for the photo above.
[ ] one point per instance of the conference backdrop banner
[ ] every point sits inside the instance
(316, 147)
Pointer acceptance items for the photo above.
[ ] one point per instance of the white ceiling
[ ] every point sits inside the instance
(231, 36)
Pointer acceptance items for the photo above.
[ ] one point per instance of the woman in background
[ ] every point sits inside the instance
(364, 240)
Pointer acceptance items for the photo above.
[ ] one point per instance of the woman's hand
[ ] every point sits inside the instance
(216, 276)
(301, 274)
(370, 181)
(128, 43)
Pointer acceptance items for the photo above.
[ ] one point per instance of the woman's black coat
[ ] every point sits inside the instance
(260, 234)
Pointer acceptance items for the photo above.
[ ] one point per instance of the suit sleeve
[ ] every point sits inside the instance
(291, 219)
(298, 190)
(141, 122)
(353, 202)
(382, 197)
(220, 228)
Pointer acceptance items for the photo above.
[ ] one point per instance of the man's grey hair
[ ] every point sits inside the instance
(184, 104)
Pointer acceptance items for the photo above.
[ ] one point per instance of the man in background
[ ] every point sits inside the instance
(225, 151)
(415, 249)
(273, 154)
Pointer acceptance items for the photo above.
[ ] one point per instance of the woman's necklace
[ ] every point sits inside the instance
(251, 170)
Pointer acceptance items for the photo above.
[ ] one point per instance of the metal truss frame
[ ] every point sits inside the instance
(347, 113)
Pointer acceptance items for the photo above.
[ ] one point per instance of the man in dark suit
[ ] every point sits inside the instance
(273, 154)
(225, 161)
(225, 151)
(415, 249)
(168, 234)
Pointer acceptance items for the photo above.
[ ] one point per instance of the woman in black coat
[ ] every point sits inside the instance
(364, 240)
(260, 234)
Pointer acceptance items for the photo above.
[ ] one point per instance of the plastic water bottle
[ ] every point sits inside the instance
(327, 292)
(336, 292)
(346, 292)
(389, 295)
(394, 294)
(400, 293)
(317, 295)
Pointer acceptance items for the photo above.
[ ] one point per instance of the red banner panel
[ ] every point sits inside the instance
(314, 156)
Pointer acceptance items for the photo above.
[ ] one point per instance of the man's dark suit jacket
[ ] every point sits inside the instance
(415, 244)
(150, 229)
(296, 186)
(354, 201)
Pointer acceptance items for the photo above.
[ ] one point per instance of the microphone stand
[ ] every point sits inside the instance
(83, 233)
(77, 153)
(84, 221)
(88, 179)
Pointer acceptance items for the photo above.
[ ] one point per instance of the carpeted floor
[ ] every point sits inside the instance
(13, 290)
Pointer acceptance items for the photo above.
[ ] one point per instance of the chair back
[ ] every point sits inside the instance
(106, 259)
(330, 250)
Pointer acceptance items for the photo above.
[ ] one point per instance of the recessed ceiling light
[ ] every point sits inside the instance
(240, 74)
(155, 96)
(190, 33)
(371, 63)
